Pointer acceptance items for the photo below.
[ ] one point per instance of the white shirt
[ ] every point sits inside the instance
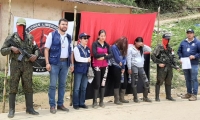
(188, 40)
(64, 44)
(78, 57)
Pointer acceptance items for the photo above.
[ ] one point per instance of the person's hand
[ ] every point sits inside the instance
(33, 58)
(15, 49)
(142, 44)
(89, 59)
(178, 68)
(122, 70)
(101, 58)
(71, 68)
(48, 67)
(120, 64)
(192, 57)
(161, 65)
(106, 54)
(180, 61)
(130, 71)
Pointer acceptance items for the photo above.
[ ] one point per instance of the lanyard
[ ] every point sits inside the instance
(83, 50)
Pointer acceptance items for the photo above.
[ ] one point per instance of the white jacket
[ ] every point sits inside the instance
(134, 58)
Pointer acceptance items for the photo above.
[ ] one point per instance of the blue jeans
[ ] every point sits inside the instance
(80, 85)
(191, 79)
(58, 72)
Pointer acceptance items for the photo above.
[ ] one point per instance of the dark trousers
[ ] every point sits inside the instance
(98, 77)
(115, 76)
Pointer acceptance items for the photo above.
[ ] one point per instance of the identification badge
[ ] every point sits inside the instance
(193, 44)
(188, 49)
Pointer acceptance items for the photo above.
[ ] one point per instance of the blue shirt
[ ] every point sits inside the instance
(117, 57)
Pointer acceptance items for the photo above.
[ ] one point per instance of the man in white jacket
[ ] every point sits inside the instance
(135, 63)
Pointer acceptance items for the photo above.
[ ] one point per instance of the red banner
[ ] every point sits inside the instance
(117, 25)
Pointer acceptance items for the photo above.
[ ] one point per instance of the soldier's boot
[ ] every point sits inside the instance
(116, 97)
(122, 94)
(168, 93)
(29, 104)
(11, 113)
(96, 92)
(157, 91)
(145, 95)
(135, 98)
(102, 91)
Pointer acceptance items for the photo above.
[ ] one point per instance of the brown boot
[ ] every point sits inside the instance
(193, 98)
(186, 96)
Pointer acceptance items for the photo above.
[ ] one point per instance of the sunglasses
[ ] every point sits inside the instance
(85, 38)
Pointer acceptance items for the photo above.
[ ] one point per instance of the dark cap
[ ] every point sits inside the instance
(84, 35)
(190, 30)
(166, 36)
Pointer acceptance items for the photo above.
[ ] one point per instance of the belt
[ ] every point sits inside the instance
(63, 59)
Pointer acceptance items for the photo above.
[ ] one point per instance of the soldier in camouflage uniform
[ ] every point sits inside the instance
(163, 56)
(20, 69)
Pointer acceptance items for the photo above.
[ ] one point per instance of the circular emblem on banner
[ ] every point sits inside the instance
(40, 32)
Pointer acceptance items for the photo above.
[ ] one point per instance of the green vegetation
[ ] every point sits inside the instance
(166, 5)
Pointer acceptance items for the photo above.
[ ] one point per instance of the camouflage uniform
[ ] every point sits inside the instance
(164, 74)
(23, 69)
(20, 69)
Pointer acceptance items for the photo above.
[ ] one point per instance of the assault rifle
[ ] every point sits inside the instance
(23, 52)
(167, 63)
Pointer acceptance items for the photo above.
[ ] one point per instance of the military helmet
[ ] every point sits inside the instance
(21, 21)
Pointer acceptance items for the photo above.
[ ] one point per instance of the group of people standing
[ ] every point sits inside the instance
(115, 61)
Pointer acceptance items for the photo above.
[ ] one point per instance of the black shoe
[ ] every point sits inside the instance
(83, 106)
(76, 107)
(53, 110)
(63, 108)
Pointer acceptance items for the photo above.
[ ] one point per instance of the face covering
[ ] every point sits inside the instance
(165, 43)
(21, 31)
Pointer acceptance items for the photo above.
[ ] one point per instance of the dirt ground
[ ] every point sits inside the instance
(41, 99)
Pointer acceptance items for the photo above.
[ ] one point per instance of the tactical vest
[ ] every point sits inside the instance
(26, 44)
(55, 49)
(165, 55)
(82, 67)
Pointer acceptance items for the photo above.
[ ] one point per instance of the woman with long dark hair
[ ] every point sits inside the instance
(117, 68)
(101, 54)
(135, 63)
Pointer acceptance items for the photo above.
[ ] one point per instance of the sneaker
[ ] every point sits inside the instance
(63, 108)
(193, 98)
(186, 96)
(83, 106)
(53, 110)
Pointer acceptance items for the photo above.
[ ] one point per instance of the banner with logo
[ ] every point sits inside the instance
(40, 30)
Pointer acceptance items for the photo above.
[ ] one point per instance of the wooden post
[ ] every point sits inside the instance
(72, 75)
(7, 59)
(158, 29)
